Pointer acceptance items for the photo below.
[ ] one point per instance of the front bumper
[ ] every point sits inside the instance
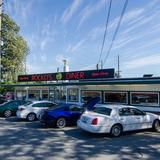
(20, 114)
(46, 120)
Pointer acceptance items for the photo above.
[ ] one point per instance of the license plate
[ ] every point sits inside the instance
(84, 119)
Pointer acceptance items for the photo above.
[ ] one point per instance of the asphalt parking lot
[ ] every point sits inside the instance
(23, 140)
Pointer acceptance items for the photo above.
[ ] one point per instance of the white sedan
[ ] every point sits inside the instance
(115, 119)
(32, 110)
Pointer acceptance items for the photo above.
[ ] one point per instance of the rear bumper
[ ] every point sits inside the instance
(92, 128)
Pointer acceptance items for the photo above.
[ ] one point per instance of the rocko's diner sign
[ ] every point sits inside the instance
(76, 75)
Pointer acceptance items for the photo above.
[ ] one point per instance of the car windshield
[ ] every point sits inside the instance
(28, 103)
(102, 110)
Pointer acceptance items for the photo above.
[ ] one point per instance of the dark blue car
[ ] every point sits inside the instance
(62, 115)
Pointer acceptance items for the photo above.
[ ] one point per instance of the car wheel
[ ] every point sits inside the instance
(31, 117)
(61, 122)
(7, 113)
(116, 130)
(156, 125)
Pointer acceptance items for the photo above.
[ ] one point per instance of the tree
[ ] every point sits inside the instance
(14, 50)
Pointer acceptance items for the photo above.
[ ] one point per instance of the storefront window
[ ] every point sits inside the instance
(44, 94)
(21, 95)
(57, 94)
(115, 97)
(52, 95)
(34, 95)
(146, 99)
(87, 95)
(72, 94)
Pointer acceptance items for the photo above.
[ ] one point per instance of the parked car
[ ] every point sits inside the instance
(115, 119)
(2, 99)
(32, 110)
(62, 115)
(8, 109)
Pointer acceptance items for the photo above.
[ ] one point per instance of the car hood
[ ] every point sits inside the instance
(91, 103)
(152, 114)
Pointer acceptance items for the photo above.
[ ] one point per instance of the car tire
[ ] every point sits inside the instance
(116, 130)
(61, 122)
(156, 125)
(7, 113)
(31, 117)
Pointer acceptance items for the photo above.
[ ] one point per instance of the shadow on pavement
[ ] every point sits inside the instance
(32, 141)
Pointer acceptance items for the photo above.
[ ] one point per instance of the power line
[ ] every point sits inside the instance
(104, 37)
(116, 31)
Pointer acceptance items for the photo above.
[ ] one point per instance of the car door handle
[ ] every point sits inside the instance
(121, 119)
(138, 118)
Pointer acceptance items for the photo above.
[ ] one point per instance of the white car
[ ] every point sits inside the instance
(115, 119)
(32, 110)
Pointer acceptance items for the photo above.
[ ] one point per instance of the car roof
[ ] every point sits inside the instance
(114, 106)
(69, 104)
(42, 102)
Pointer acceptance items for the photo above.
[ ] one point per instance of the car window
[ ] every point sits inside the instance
(137, 112)
(75, 108)
(125, 112)
(39, 105)
(62, 109)
(49, 104)
(102, 110)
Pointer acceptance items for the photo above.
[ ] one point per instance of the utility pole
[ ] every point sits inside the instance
(1, 3)
(118, 72)
(101, 64)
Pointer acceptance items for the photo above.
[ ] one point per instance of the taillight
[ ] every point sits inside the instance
(21, 109)
(94, 121)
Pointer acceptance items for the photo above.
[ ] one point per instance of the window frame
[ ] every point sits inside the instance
(115, 92)
(91, 91)
(147, 92)
(77, 96)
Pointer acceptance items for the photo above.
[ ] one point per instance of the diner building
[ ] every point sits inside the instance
(143, 92)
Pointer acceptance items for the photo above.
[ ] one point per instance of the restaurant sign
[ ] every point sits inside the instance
(75, 75)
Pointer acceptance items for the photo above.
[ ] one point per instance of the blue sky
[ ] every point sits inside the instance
(73, 30)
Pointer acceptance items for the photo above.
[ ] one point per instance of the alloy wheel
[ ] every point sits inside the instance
(157, 125)
(116, 131)
(31, 117)
(7, 113)
(61, 123)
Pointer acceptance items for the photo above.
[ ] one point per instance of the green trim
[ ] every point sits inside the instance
(88, 83)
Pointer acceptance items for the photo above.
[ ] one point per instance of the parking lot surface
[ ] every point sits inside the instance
(21, 140)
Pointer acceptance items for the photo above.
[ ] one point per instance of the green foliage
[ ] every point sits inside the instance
(14, 50)
(4, 89)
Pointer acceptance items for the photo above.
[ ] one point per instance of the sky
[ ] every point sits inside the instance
(74, 30)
